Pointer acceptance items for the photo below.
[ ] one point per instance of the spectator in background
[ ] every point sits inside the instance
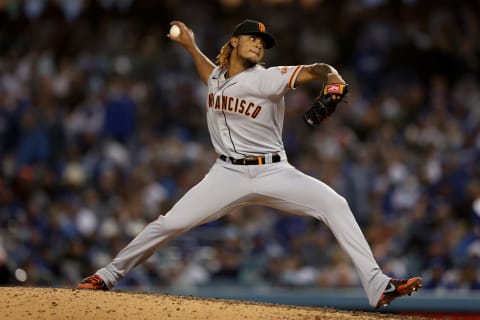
(34, 145)
(120, 112)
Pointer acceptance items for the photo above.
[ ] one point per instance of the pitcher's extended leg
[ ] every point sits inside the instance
(306, 195)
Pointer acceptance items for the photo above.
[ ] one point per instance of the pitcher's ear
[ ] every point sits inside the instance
(234, 42)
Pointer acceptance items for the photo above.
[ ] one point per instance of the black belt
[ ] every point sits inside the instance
(251, 160)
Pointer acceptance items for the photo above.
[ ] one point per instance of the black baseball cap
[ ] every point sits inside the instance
(255, 28)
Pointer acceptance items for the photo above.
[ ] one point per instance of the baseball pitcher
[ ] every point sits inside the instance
(245, 111)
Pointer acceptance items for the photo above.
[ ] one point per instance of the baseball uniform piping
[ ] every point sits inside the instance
(226, 122)
(293, 77)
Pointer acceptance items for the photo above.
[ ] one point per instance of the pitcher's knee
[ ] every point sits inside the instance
(339, 204)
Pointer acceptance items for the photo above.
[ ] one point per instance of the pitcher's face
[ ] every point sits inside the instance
(251, 48)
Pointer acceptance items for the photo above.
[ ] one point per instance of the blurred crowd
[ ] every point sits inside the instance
(102, 129)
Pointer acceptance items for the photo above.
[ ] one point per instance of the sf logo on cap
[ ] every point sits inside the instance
(261, 27)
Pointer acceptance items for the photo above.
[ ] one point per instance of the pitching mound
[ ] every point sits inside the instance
(45, 303)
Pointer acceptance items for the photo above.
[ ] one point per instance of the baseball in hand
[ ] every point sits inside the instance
(174, 31)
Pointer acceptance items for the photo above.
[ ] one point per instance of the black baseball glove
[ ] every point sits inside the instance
(325, 104)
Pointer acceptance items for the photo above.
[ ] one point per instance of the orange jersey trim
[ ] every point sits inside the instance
(293, 76)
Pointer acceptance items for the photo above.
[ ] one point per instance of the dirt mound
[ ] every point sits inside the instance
(47, 303)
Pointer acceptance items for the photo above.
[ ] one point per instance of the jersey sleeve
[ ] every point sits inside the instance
(278, 80)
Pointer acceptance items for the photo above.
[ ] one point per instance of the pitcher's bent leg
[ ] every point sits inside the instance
(190, 211)
(139, 249)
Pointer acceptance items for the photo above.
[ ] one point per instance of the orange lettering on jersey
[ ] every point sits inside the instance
(242, 106)
(224, 102)
(236, 105)
(233, 104)
(211, 97)
(256, 112)
(250, 105)
(283, 70)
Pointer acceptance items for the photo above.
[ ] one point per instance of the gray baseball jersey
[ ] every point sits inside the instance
(245, 118)
(245, 113)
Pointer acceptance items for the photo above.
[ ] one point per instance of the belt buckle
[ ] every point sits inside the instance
(244, 160)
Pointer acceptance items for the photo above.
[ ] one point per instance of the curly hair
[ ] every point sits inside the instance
(223, 58)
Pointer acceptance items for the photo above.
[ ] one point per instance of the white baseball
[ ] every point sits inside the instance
(174, 31)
